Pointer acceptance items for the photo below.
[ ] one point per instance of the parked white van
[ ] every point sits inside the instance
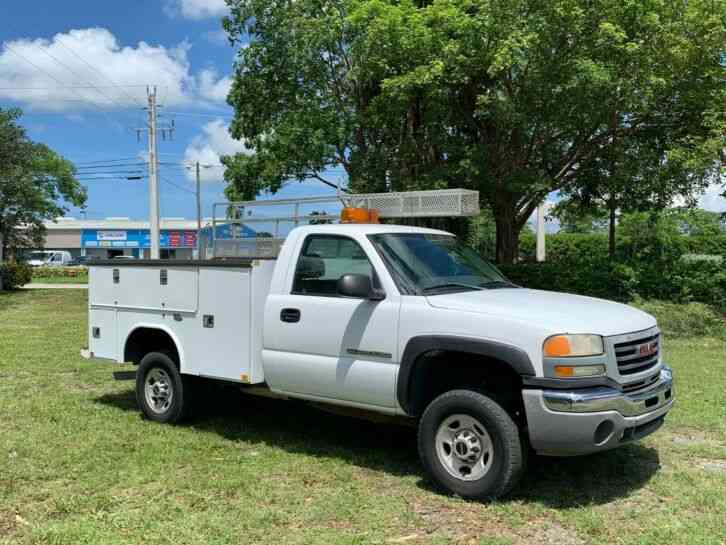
(49, 258)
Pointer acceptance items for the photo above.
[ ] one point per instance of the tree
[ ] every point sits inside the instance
(579, 219)
(635, 174)
(699, 222)
(514, 98)
(36, 184)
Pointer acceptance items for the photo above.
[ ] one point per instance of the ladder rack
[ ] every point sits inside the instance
(231, 236)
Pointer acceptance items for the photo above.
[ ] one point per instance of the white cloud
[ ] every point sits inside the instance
(211, 87)
(38, 73)
(209, 146)
(712, 199)
(196, 9)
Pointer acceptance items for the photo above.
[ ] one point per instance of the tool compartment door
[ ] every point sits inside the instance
(222, 347)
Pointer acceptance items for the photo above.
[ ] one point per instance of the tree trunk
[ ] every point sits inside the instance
(507, 237)
(611, 230)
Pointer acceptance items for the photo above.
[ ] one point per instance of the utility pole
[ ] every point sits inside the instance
(167, 133)
(199, 212)
(541, 254)
(153, 178)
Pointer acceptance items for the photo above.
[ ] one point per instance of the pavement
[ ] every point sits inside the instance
(36, 286)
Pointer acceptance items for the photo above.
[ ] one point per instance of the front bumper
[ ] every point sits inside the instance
(572, 422)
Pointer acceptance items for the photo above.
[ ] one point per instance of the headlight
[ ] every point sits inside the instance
(570, 346)
(567, 346)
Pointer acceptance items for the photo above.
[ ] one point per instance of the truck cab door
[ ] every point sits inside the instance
(321, 344)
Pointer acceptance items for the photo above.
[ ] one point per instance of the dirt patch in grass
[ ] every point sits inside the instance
(550, 533)
(10, 523)
(460, 522)
(707, 464)
(472, 523)
(688, 437)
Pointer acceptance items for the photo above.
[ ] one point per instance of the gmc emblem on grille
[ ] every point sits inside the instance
(648, 349)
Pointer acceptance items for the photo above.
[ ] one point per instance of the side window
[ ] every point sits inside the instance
(323, 260)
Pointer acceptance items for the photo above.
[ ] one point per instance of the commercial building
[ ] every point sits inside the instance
(112, 237)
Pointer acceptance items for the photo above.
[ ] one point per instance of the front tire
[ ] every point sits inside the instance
(470, 446)
(162, 393)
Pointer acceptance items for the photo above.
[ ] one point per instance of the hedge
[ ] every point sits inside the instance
(679, 269)
(60, 272)
(14, 275)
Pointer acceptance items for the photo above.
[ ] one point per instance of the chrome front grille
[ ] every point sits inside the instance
(640, 384)
(638, 355)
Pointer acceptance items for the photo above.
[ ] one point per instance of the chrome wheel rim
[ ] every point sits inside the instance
(158, 390)
(464, 447)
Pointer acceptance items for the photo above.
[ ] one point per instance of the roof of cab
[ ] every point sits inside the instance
(368, 229)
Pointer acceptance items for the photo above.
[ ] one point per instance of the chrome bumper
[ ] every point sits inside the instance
(592, 400)
(569, 423)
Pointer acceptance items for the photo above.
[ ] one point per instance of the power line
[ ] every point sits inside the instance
(108, 165)
(191, 164)
(58, 40)
(168, 181)
(55, 87)
(201, 115)
(110, 178)
(111, 173)
(105, 161)
(56, 59)
(26, 59)
(65, 114)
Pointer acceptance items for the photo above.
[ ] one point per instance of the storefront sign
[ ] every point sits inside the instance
(137, 238)
(111, 235)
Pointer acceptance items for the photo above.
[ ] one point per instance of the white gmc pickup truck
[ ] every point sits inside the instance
(398, 320)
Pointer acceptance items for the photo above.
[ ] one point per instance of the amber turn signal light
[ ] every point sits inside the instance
(576, 371)
(557, 347)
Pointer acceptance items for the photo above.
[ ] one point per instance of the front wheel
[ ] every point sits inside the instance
(470, 446)
(162, 393)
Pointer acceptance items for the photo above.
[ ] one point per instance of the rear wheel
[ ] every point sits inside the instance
(163, 394)
(470, 446)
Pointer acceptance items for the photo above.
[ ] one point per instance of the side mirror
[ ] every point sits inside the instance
(359, 286)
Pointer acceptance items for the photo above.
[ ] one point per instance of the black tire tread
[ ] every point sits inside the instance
(181, 410)
(514, 445)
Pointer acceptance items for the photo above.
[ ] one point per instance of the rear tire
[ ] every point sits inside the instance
(470, 446)
(162, 393)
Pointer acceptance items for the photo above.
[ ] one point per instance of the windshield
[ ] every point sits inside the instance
(429, 264)
(39, 256)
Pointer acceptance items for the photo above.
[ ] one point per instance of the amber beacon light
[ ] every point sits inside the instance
(358, 215)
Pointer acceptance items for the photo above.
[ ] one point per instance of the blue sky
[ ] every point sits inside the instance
(107, 52)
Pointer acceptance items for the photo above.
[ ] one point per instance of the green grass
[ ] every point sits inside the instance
(60, 280)
(78, 465)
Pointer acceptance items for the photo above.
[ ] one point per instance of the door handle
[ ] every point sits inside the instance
(290, 315)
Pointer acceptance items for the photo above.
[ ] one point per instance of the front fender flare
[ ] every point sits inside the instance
(515, 357)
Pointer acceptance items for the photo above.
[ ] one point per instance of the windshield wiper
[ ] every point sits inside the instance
(493, 284)
(451, 285)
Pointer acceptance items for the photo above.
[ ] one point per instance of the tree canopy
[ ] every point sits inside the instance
(513, 98)
(36, 184)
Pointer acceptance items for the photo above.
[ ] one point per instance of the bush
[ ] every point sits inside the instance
(60, 272)
(596, 278)
(690, 320)
(652, 261)
(14, 275)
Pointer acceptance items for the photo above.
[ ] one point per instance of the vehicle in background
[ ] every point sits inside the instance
(49, 258)
(121, 257)
(82, 261)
